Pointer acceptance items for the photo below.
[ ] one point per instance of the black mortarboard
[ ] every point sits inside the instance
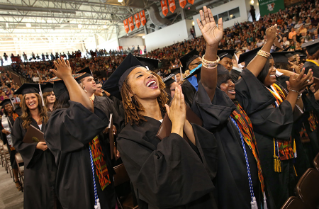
(188, 58)
(152, 64)
(311, 46)
(86, 73)
(223, 75)
(248, 56)
(28, 88)
(226, 53)
(169, 80)
(221, 70)
(5, 102)
(301, 53)
(48, 87)
(195, 71)
(58, 85)
(114, 84)
(281, 57)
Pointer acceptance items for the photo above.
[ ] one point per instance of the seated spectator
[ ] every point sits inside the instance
(292, 33)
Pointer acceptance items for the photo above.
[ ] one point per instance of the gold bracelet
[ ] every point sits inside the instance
(210, 64)
(263, 53)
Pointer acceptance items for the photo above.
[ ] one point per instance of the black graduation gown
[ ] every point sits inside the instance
(169, 173)
(232, 179)
(39, 169)
(311, 105)
(313, 66)
(268, 123)
(68, 133)
(117, 105)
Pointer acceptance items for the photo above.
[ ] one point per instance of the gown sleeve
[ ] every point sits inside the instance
(252, 94)
(167, 175)
(70, 129)
(28, 151)
(257, 102)
(213, 113)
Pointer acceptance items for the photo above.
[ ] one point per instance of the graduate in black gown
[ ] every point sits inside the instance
(312, 62)
(72, 134)
(49, 97)
(7, 121)
(39, 166)
(239, 181)
(271, 113)
(172, 173)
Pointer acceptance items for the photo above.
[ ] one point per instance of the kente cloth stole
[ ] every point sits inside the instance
(285, 148)
(246, 129)
(99, 163)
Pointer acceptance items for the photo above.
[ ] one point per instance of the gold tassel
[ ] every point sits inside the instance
(295, 171)
(277, 162)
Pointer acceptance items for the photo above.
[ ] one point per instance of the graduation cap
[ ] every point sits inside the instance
(28, 88)
(169, 80)
(58, 85)
(5, 102)
(221, 70)
(311, 46)
(223, 75)
(86, 73)
(188, 58)
(226, 53)
(195, 71)
(152, 64)
(281, 57)
(114, 84)
(248, 56)
(48, 87)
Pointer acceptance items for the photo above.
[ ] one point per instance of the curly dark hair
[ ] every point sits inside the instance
(133, 108)
(26, 116)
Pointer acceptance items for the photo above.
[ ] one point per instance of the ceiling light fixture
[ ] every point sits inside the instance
(104, 26)
(119, 1)
(28, 25)
(79, 26)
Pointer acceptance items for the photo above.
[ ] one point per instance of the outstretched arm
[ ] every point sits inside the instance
(257, 64)
(212, 35)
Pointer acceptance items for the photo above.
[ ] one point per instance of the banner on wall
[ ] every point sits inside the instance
(143, 18)
(172, 6)
(126, 26)
(137, 20)
(270, 6)
(191, 1)
(182, 3)
(130, 22)
(164, 7)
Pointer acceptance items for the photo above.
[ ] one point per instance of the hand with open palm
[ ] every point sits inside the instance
(211, 32)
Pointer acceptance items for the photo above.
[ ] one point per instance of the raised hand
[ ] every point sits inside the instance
(301, 81)
(63, 68)
(177, 112)
(271, 33)
(211, 32)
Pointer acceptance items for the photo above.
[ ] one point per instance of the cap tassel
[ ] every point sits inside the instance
(41, 95)
(180, 71)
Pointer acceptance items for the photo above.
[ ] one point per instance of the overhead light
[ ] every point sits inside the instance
(120, 1)
(231, 16)
(79, 26)
(28, 25)
(143, 36)
(7, 25)
(193, 23)
(104, 26)
(252, 2)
